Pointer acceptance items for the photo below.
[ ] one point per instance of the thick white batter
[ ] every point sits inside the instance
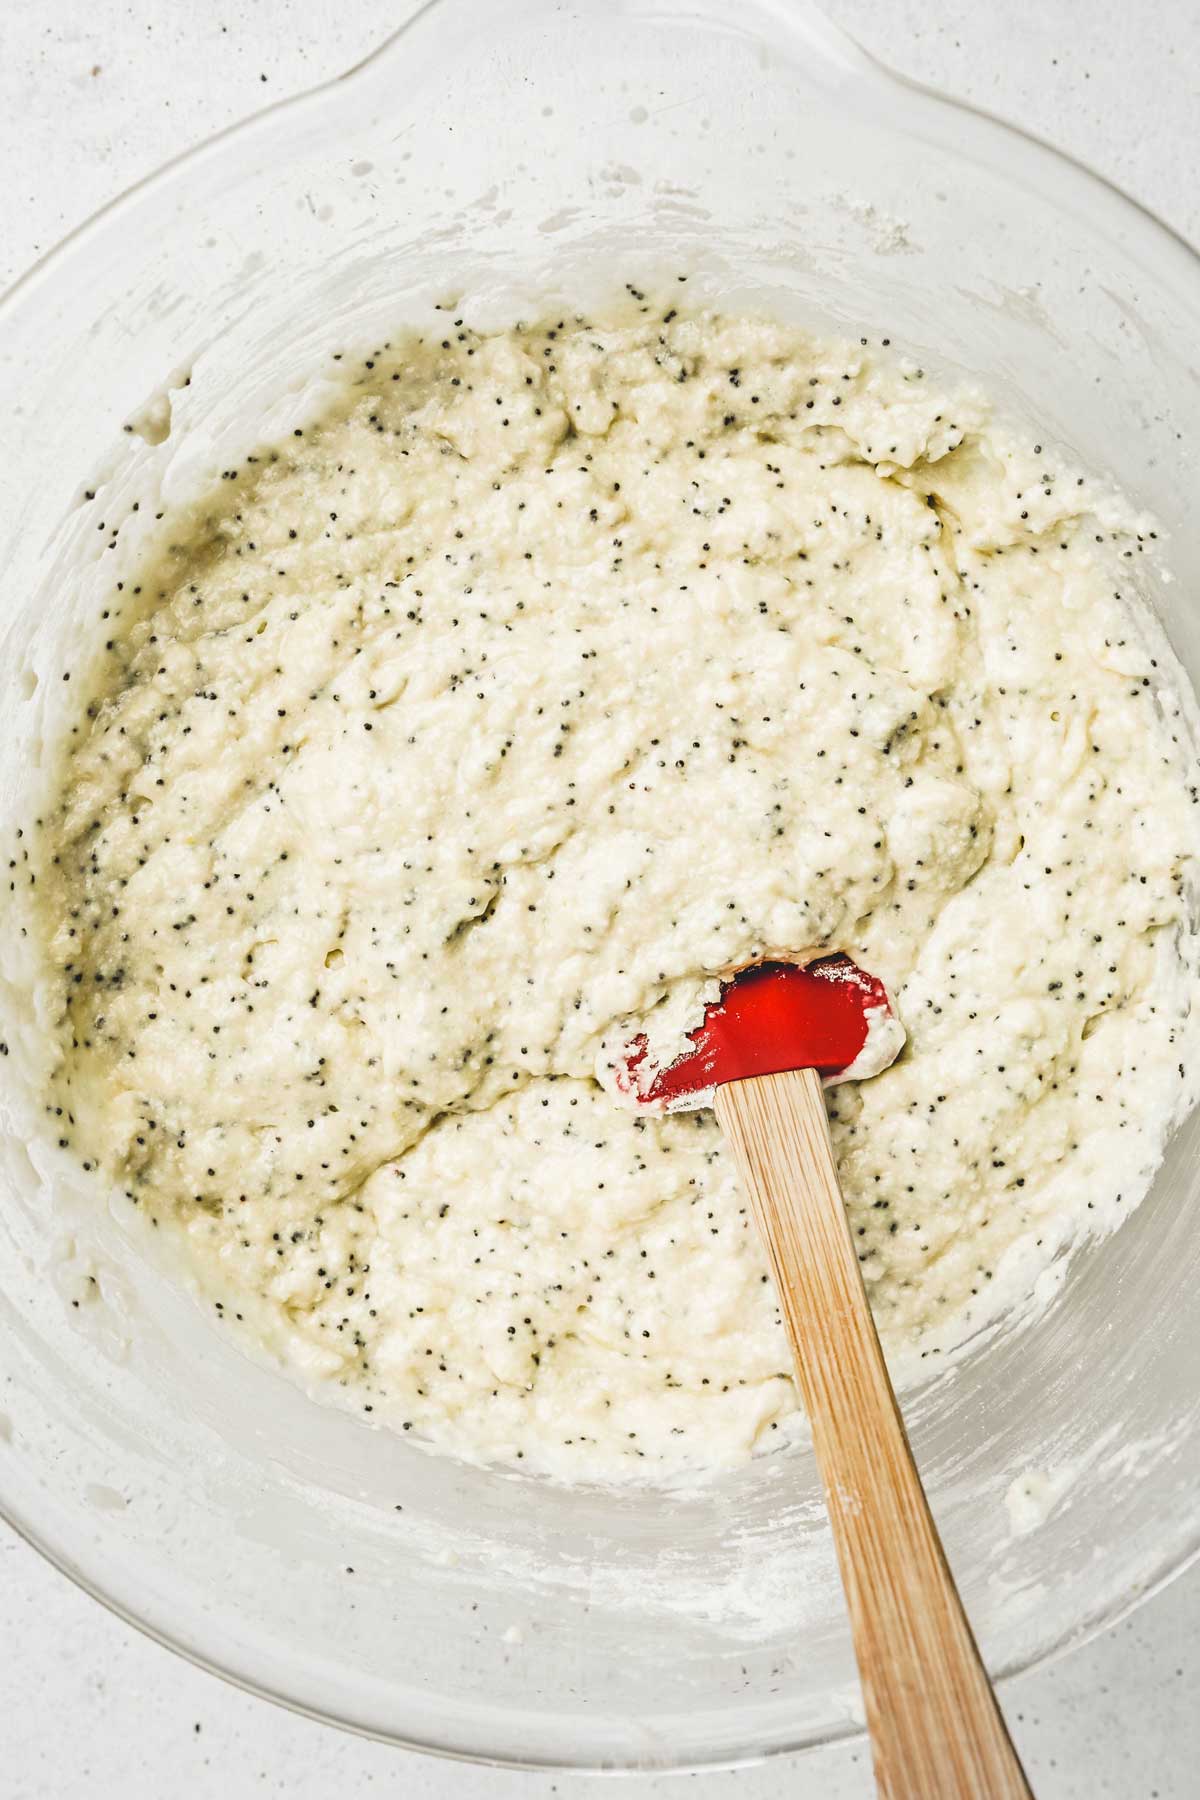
(475, 727)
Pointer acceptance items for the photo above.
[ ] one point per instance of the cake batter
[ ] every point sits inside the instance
(475, 727)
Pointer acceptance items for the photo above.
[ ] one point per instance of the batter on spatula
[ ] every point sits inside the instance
(475, 727)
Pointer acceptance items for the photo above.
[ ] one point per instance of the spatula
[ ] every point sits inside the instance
(759, 1057)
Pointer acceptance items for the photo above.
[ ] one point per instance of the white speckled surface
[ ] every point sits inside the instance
(94, 94)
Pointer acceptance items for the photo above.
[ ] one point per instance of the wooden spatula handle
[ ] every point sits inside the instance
(936, 1730)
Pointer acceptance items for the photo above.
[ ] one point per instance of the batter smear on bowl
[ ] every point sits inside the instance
(476, 727)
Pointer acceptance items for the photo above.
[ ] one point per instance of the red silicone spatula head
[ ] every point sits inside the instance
(827, 1015)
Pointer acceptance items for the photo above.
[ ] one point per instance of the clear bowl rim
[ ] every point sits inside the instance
(792, 16)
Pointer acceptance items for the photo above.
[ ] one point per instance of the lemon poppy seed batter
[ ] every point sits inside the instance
(479, 724)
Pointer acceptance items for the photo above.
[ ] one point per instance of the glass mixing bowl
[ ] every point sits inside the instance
(496, 154)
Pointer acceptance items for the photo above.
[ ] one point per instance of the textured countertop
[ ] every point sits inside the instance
(95, 94)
